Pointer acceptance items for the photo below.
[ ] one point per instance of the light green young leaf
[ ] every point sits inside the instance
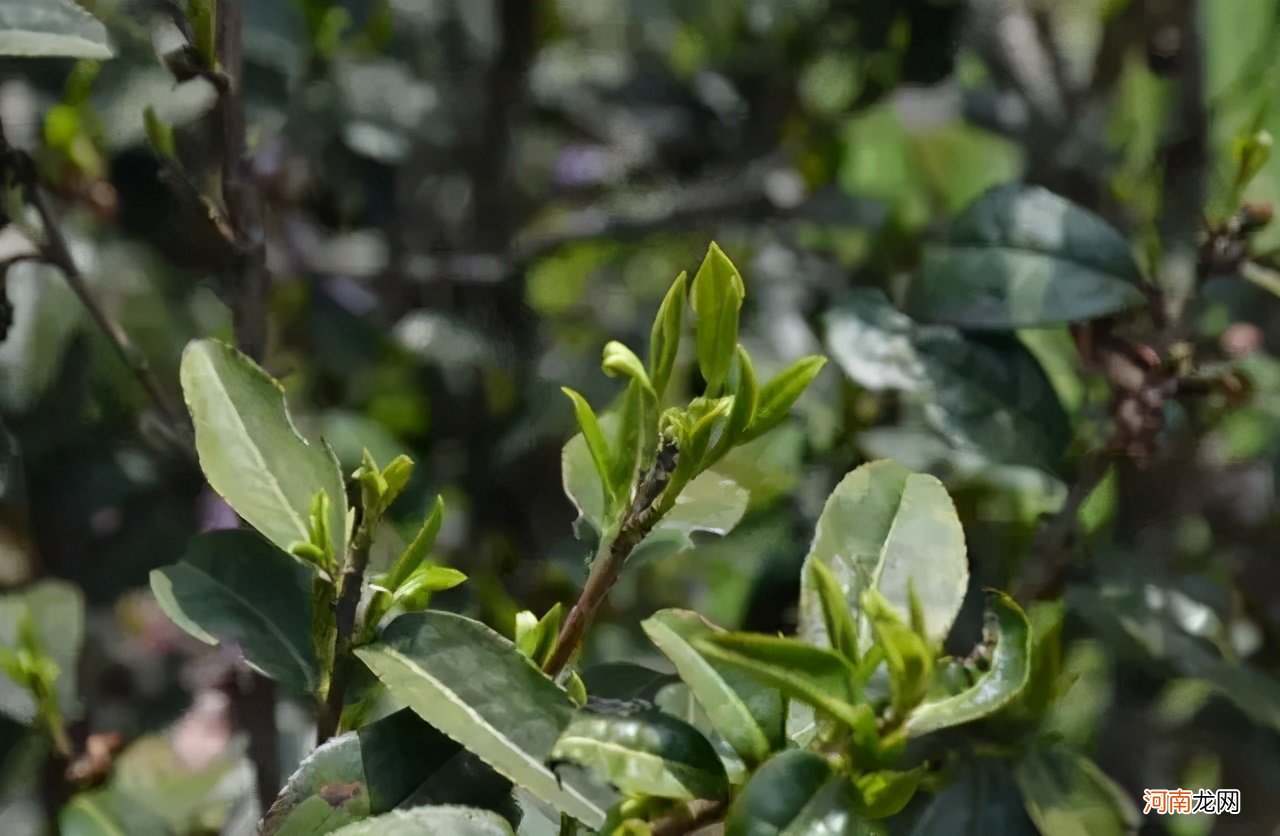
(842, 628)
(1023, 256)
(907, 655)
(886, 792)
(477, 688)
(200, 14)
(664, 341)
(160, 135)
(819, 677)
(250, 451)
(780, 394)
(796, 794)
(455, 821)
(359, 774)
(1067, 794)
(415, 593)
(645, 753)
(54, 611)
(748, 715)
(537, 637)
(620, 360)
(596, 444)
(235, 586)
(887, 528)
(50, 28)
(1001, 684)
(717, 300)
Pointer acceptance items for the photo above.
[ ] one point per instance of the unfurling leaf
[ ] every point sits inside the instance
(842, 627)
(536, 637)
(415, 593)
(620, 360)
(160, 135)
(664, 340)
(906, 653)
(780, 394)
(717, 301)
(596, 443)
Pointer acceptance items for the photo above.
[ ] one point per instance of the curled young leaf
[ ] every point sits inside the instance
(842, 627)
(620, 360)
(717, 300)
(664, 340)
(596, 443)
(780, 394)
(1010, 668)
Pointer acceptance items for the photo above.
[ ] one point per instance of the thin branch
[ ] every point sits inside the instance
(254, 700)
(345, 619)
(654, 496)
(55, 251)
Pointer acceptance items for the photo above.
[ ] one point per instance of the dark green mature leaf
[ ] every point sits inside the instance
(477, 688)
(1022, 256)
(1010, 668)
(40, 28)
(454, 821)
(815, 675)
(250, 451)
(985, 394)
(644, 753)
(235, 586)
(359, 774)
(982, 801)
(56, 609)
(749, 716)
(887, 528)
(1068, 795)
(796, 794)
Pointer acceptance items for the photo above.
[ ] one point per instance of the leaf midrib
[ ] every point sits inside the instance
(1050, 254)
(305, 668)
(487, 727)
(257, 453)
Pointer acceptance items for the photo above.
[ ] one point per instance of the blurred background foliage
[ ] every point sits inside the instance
(465, 199)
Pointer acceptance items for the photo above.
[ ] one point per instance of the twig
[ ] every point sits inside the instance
(654, 496)
(55, 251)
(688, 818)
(345, 619)
(1052, 544)
(253, 701)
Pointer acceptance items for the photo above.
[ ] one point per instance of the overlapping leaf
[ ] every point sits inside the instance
(1022, 256)
(477, 688)
(250, 451)
(235, 586)
(43, 28)
(887, 528)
